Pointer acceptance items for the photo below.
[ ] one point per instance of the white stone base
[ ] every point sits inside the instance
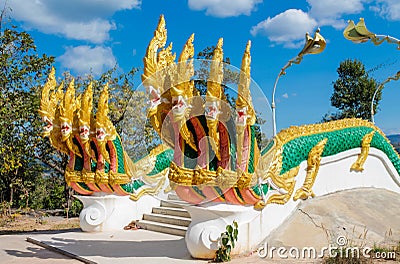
(105, 212)
(210, 220)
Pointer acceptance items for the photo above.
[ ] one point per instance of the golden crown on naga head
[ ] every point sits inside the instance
(170, 86)
(85, 113)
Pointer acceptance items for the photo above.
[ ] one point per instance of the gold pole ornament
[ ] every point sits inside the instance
(358, 33)
(312, 46)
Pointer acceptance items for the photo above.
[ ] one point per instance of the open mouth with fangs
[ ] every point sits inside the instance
(49, 124)
(241, 117)
(155, 96)
(211, 112)
(84, 132)
(100, 134)
(65, 128)
(179, 106)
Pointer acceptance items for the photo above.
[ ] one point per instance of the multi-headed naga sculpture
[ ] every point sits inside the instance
(212, 155)
(217, 159)
(97, 160)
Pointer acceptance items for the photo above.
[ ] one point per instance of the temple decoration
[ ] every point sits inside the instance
(153, 77)
(97, 160)
(210, 156)
(86, 119)
(362, 157)
(246, 117)
(204, 158)
(313, 162)
(214, 96)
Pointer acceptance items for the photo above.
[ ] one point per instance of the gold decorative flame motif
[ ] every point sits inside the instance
(358, 165)
(74, 129)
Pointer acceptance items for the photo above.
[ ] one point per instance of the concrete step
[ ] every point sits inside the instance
(174, 197)
(167, 219)
(163, 228)
(173, 203)
(171, 211)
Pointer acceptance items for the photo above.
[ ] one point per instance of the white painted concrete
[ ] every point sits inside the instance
(334, 175)
(110, 212)
(107, 212)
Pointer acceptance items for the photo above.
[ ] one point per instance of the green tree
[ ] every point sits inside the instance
(31, 170)
(353, 92)
(22, 72)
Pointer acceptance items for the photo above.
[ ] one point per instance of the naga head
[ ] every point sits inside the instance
(244, 106)
(105, 130)
(179, 104)
(67, 111)
(155, 97)
(211, 109)
(182, 86)
(48, 103)
(102, 115)
(242, 116)
(214, 87)
(85, 113)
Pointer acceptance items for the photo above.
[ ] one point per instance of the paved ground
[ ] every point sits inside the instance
(15, 249)
(139, 246)
(363, 216)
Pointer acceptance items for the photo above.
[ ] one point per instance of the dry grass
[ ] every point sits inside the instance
(17, 223)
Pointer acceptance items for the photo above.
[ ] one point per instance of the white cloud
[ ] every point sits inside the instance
(85, 59)
(285, 95)
(330, 12)
(224, 8)
(287, 28)
(76, 19)
(389, 9)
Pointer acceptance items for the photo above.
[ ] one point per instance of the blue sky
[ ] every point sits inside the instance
(93, 35)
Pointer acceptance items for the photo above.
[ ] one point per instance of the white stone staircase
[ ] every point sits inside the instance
(168, 218)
